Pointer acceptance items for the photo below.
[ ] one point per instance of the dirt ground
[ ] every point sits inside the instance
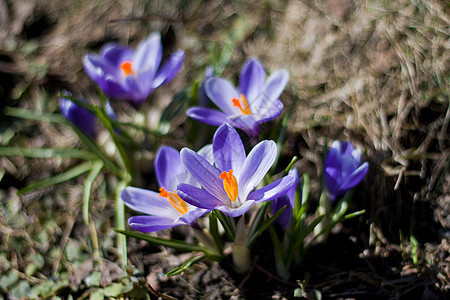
(372, 72)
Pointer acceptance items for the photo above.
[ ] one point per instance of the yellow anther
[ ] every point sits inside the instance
(245, 109)
(127, 68)
(230, 184)
(174, 200)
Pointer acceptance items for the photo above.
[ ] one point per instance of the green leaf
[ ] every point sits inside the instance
(214, 230)
(289, 167)
(93, 148)
(257, 220)
(103, 117)
(72, 173)
(34, 115)
(46, 152)
(96, 168)
(176, 244)
(227, 223)
(120, 220)
(269, 222)
(187, 264)
(83, 104)
(21, 289)
(97, 295)
(93, 279)
(113, 290)
(277, 246)
(9, 279)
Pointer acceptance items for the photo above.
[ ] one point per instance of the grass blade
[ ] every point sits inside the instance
(46, 152)
(96, 168)
(187, 264)
(269, 222)
(72, 173)
(120, 221)
(176, 244)
(34, 115)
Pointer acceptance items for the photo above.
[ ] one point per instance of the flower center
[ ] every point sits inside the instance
(244, 107)
(230, 184)
(126, 68)
(174, 200)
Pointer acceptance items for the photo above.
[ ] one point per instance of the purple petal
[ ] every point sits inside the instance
(229, 152)
(170, 69)
(252, 79)
(274, 190)
(347, 149)
(143, 82)
(148, 55)
(238, 211)
(248, 123)
(135, 93)
(205, 173)
(285, 217)
(148, 202)
(275, 84)
(271, 91)
(222, 92)
(116, 54)
(355, 177)
(192, 215)
(167, 167)
(80, 117)
(331, 184)
(152, 223)
(288, 200)
(198, 197)
(255, 167)
(207, 115)
(269, 112)
(97, 68)
(111, 87)
(207, 153)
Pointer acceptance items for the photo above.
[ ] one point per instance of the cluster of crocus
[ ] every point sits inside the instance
(221, 177)
(255, 102)
(192, 183)
(129, 75)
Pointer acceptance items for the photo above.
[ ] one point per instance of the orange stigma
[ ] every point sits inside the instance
(127, 69)
(244, 110)
(174, 200)
(230, 184)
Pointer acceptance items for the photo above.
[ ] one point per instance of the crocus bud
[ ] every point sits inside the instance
(343, 169)
(79, 116)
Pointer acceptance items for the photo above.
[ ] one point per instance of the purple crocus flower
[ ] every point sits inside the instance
(164, 209)
(130, 75)
(288, 200)
(229, 185)
(343, 169)
(255, 102)
(79, 116)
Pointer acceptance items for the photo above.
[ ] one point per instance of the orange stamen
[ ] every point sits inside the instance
(127, 69)
(174, 200)
(237, 103)
(230, 184)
